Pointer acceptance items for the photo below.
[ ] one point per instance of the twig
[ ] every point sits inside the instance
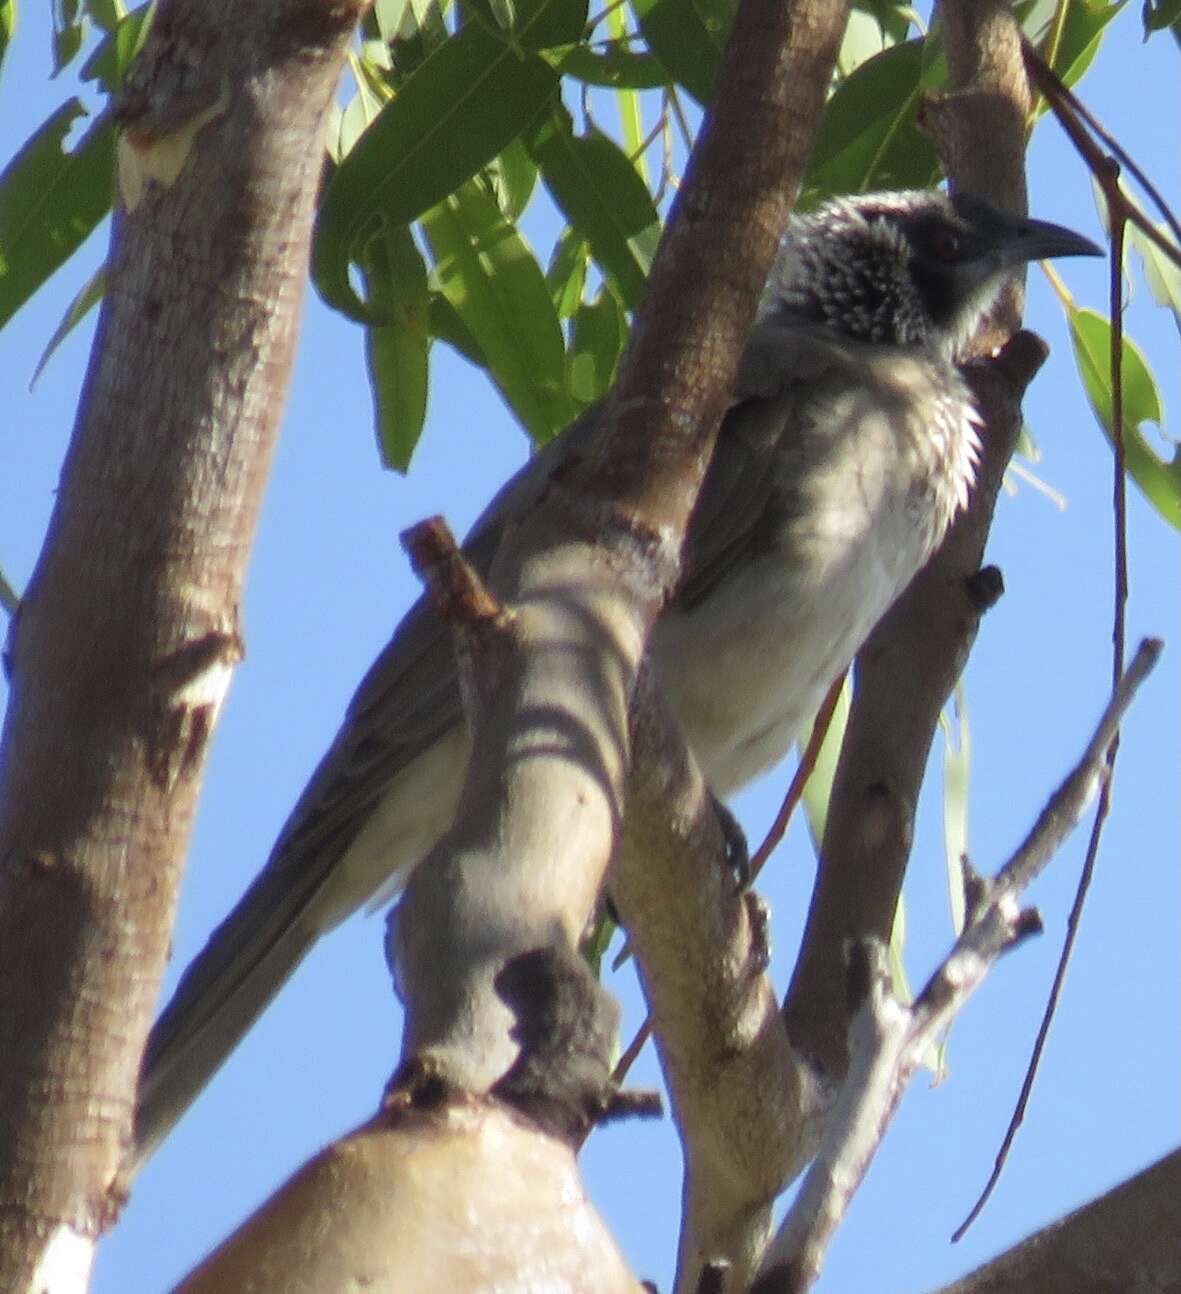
(807, 765)
(628, 1059)
(1069, 801)
(1071, 115)
(888, 1039)
(460, 594)
(9, 599)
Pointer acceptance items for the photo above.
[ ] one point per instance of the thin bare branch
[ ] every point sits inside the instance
(1072, 113)
(888, 1039)
(804, 770)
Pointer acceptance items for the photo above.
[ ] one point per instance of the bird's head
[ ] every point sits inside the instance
(911, 268)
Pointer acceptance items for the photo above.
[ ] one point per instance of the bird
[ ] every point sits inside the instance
(849, 445)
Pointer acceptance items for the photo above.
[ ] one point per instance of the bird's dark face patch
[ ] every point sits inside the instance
(912, 268)
(949, 267)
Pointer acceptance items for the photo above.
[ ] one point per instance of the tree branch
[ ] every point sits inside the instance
(1128, 1239)
(124, 644)
(889, 1039)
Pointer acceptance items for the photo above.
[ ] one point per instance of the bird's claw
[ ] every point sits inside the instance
(734, 840)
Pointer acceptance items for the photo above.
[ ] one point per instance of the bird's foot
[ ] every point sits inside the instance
(737, 850)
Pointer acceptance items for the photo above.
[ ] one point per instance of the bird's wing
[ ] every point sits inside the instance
(732, 520)
(407, 702)
(410, 697)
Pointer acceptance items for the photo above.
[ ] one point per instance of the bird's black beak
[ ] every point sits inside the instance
(1016, 240)
(1038, 240)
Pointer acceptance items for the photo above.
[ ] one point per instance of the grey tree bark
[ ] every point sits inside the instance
(123, 647)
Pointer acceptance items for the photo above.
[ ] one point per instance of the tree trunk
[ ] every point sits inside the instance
(124, 644)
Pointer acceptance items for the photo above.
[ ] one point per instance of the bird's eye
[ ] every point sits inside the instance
(944, 244)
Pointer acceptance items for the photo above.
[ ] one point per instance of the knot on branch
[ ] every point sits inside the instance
(565, 1027)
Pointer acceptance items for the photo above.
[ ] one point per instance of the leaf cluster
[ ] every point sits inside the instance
(473, 129)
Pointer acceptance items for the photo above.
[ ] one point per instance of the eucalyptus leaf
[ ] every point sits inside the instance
(869, 136)
(676, 34)
(957, 764)
(566, 275)
(462, 107)
(599, 192)
(599, 336)
(109, 63)
(1091, 335)
(615, 67)
(1082, 34)
(87, 298)
(488, 274)
(397, 353)
(447, 326)
(818, 787)
(514, 177)
(9, 600)
(50, 201)
(7, 25)
(390, 15)
(69, 31)
(1160, 15)
(1162, 274)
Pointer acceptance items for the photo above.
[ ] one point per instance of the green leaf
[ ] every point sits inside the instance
(933, 1055)
(423, 31)
(514, 177)
(683, 43)
(863, 40)
(1159, 15)
(462, 107)
(598, 191)
(957, 763)
(617, 68)
(1160, 481)
(389, 15)
(1081, 37)
(629, 103)
(397, 353)
(504, 13)
(596, 941)
(446, 325)
(486, 271)
(600, 333)
(50, 200)
(109, 63)
(352, 122)
(85, 301)
(566, 276)
(69, 31)
(107, 14)
(718, 18)
(533, 24)
(8, 596)
(7, 25)
(1161, 273)
(894, 20)
(869, 137)
(818, 787)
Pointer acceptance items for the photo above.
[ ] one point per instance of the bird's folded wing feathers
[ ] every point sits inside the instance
(731, 520)
(410, 695)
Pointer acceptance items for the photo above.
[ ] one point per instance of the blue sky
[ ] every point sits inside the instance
(327, 583)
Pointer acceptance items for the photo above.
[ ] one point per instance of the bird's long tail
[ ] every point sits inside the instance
(227, 986)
